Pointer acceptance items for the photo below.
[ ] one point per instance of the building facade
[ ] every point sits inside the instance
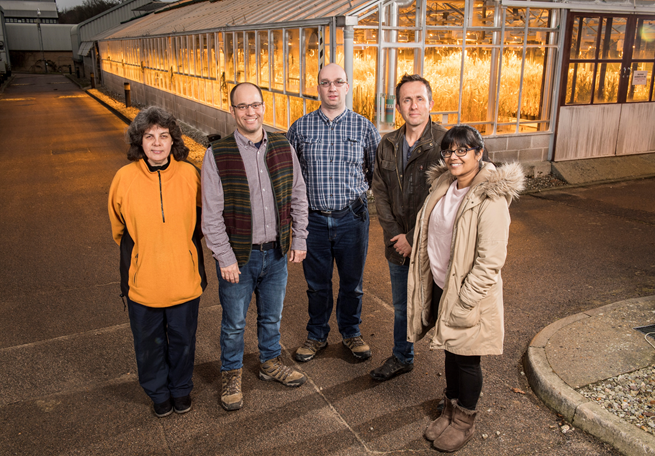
(541, 80)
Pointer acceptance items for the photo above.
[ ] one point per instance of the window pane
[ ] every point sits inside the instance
(205, 56)
(644, 39)
(363, 86)
(533, 81)
(311, 56)
(612, 36)
(278, 60)
(483, 13)
(252, 58)
(514, 37)
(510, 80)
(515, 17)
(640, 92)
(293, 64)
(296, 108)
(212, 55)
(578, 85)
(229, 57)
(263, 59)
(281, 111)
(607, 83)
(539, 17)
(312, 105)
(371, 17)
(241, 61)
(268, 102)
(445, 13)
(407, 15)
(444, 37)
(221, 71)
(583, 38)
(475, 90)
(441, 67)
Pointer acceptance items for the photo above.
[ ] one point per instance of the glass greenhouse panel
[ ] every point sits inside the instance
(268, 107)
(533, 84)
(442, 13)
(579, 83)
(515, 17)
(640, 92)
(212, 56)
(442, 67)
(607, 83)
(278, 60)
(229, 57)
(510, 82)
(293, 64)
(311, 56)
(483, 13)
(583, 38)
(251, 56)
(475, 87)
(539, 17)
(241, 59)
(644, 47)
(444, 37)
(263, 60)
(612, 35)
(312, 105)
(296, 105)
(365, 61)
(370, 17)
(281, 111)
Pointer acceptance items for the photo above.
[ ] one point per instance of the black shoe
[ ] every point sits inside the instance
(182, 404)
(390, 369)
(164, 408)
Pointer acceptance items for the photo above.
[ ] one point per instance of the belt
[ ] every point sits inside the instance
(267, 246)
(341, 212)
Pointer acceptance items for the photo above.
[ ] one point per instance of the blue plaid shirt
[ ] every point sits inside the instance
(336, 157)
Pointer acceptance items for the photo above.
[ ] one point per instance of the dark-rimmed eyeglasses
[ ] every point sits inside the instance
(446, 153)
(244, 107)
(337, 83)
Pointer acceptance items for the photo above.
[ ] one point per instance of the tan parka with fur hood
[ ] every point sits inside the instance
(469, 319)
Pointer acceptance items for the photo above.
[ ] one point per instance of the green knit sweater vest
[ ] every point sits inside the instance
(236, 192)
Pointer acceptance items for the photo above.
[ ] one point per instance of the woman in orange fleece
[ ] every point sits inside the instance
(154, 210)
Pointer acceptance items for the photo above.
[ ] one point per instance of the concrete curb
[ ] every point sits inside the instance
(575, 408)
(586, 184)
(114, 111)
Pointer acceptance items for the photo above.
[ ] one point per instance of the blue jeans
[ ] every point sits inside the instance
(165, 347)
(402, 349)
(343, 240)
(265, 274)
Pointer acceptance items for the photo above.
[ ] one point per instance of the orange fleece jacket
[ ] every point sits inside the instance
(158, 210)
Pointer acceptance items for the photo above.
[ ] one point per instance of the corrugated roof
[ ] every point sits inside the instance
(193, 16)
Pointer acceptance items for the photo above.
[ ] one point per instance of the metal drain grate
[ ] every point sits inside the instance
(646, 329)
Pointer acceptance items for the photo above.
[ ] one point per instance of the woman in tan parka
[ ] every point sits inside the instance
(454, 283)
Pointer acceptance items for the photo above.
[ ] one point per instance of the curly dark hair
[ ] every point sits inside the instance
(465, 136)
(144, 121)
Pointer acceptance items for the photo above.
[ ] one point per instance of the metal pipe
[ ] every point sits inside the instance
(128, 97)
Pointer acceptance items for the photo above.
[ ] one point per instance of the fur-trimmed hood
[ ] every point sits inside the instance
(506, 181)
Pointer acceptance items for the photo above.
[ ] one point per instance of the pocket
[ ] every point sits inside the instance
(389, 165)
(312, 149)
(464, 316)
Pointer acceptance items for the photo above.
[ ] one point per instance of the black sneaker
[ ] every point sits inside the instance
(182, 404)
(390, 369)
(163, 408)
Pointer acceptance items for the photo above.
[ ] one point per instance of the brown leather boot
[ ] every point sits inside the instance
(436, 427)
(460, 431)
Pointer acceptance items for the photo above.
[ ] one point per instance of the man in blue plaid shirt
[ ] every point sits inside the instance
(336, 149)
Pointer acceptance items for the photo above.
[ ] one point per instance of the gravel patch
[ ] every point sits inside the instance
(631, 397)
(540, 183)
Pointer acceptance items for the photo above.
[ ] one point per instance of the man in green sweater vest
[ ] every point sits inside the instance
(254, 216)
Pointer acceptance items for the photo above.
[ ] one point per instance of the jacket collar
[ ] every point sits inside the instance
(395, 137)
(506, 181)
(166, 174)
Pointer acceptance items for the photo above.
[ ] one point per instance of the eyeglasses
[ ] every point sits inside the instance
(446, 153)
(244, 107)
(337, 83)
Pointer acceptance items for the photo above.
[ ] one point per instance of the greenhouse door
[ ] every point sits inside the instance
(606, 101)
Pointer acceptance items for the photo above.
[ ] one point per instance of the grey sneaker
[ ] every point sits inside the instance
(231, 397)
(358, 347)
(274, 370)
(309, 350)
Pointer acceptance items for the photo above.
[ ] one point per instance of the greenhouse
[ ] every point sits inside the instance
(493, 65)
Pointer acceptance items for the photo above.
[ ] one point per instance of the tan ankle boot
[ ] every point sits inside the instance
(460, 431)
(436, 427)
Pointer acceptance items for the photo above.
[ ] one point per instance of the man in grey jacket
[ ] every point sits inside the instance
(400, 187)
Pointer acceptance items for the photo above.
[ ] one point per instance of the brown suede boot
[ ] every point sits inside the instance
(460, 431)
(439, 425)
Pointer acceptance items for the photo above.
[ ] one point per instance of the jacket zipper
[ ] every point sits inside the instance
(136, 266)
(161, 198)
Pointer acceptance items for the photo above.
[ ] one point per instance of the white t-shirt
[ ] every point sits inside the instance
(440, 231)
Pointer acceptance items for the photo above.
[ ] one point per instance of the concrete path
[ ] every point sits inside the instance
(68, 383)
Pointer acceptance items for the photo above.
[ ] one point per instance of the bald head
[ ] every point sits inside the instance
(332, 89)
(333, 69)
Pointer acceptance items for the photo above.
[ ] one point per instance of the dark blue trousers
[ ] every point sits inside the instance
(165, 347)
